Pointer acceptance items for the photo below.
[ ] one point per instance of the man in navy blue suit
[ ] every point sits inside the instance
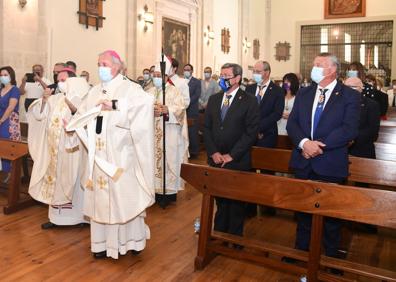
(324, 119)
(194, 85)
(271, 100)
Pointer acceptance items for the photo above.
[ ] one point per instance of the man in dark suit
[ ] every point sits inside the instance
(194, 85)
(271, 99)
(369, 124)
(231, 126)
(324, 119)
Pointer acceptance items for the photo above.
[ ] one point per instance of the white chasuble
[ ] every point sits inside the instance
(55, 153)
(176, 140)
(120, 147)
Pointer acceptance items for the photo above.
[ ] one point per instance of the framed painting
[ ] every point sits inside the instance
(282, 51)
(344, 8)
(176, 41)
(90, 13)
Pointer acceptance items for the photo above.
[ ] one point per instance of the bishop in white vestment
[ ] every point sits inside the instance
(116, 124)
(176, 135)
(55, 176)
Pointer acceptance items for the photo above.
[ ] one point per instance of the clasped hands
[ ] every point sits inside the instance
(221, 159)
(312, 149)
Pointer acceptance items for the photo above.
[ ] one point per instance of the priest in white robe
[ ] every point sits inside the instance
(176, 137)
(56, 155)
(116, 124)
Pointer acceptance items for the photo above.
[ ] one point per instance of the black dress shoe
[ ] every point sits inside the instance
(135, 253)
(48, 225)
(100, 255)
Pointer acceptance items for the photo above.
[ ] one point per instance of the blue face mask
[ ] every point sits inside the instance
(224, 84)
(207, 75)
(352, 73)
(317, 74)
(5, 79)
(187, 74)
(157, 81)
(258, 78)
(146, 76)
(105, 74)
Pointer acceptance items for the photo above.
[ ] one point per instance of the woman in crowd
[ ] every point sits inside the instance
(290, 85)
(9, 117)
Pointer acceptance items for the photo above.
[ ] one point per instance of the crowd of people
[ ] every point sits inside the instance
(98, 151)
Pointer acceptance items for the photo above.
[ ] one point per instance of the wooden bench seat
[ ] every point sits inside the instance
(320, 199)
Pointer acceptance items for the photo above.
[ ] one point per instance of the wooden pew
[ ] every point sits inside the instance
(385, 151)
(14, 151)
(377, 172)
(317, 198)
(284, 142)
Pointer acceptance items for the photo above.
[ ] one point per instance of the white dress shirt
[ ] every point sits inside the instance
(233, 93)
(329, 92)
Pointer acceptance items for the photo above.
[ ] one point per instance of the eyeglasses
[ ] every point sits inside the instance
(228, 78)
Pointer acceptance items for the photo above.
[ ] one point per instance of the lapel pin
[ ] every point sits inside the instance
(337, 93)
(240, 97)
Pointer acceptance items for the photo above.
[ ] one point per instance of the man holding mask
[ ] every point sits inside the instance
(116, 123)
(324, 119)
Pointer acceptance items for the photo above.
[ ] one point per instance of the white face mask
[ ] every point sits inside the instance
(62, 86)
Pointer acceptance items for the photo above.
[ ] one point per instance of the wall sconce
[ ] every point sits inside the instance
(147, 17)
(208, 35)
(22, 3)
(246, 44)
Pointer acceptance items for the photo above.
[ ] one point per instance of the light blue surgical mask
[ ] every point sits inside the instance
(317, 74)
(187, 74)
(258, 78)
(157, 81)
(207, 75)
(5, 79)
(105, 74)
(352, 73)
(146, 76)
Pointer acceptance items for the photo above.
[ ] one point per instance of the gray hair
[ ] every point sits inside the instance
(266, 65)
(114, 59)
(236, 69)
(334, 60)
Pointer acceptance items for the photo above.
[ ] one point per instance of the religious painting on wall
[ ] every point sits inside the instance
(256, 49)
(225, 40)
(344, 8)
(91, 13)
(176, 41)
(282, 51)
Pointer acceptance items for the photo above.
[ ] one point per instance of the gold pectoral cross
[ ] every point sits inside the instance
(100, 144)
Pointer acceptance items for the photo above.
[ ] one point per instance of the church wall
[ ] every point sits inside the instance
(21, 36)
(69, 40)
(226, 14)
(287, 16)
